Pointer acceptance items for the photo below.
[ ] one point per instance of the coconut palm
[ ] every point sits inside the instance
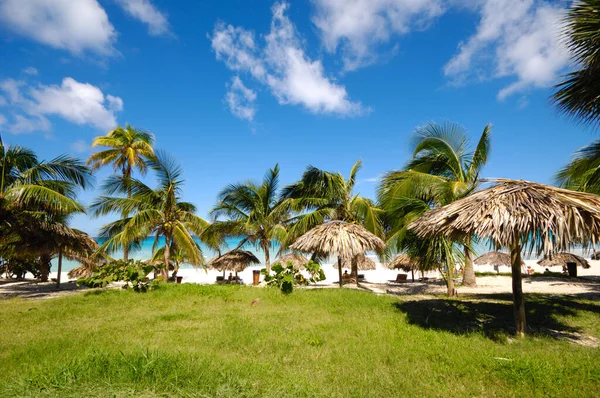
(442, 170)
(322, 196)
(128, 148)
(578, 93)
(583, 172)
(159, 212)
(254, 212)
(27, 183)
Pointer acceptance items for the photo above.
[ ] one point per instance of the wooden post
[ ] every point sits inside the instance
(517, 288)
(412, 271)
(340, 270)
(59, 267)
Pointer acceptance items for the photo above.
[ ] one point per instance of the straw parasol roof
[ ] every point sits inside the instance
(494, 258)
(557, 218)
(338, 238)
(404, 262)
(341, 239)
(235, 260)
(561, 259)
(296, 259)
(515, 215)
(363, 263)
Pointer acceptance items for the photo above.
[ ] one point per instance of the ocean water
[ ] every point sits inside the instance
(145, 252)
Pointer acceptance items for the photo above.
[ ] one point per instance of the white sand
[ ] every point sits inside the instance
(377, 280)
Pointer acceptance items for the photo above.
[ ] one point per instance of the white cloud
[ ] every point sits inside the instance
(79, 146)
(282, 66)
(517, 38)
(75, 26)
(146, 12)
(30, 71)
(79, 103)
(357, 27)
(240, 99)
(2, 119)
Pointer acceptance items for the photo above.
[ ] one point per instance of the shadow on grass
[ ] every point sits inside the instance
(492, 315)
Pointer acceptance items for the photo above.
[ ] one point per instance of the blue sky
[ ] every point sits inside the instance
(233, 87)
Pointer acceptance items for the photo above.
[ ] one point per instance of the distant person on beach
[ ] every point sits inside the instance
(230, 277)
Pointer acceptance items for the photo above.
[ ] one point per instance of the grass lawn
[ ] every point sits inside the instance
(191, 340)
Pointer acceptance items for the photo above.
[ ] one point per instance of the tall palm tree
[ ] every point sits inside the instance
(583, 172)
(445, 170)
(578, 94)
(322, 196)
(159, 212)
(254, 212)
(27, 183)
(129, 148)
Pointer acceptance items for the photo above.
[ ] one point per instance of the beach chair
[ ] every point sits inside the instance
(400, 278)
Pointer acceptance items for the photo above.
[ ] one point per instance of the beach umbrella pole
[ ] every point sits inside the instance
(340, 270)
(517, 287)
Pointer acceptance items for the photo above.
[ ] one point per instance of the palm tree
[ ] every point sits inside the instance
(254, 212)
(29, 184)
(322, 196)
(583, 172)
(442, 170)
(159, 212)
(578, 93)
(128, 149)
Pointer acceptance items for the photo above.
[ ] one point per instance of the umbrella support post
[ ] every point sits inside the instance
(412, 272)
(340, 270)
(517, 287)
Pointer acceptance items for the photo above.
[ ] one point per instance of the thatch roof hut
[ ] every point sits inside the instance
(338, 238)
(561, 259)
(515, 215)
(296, 259)
(235, 260)
(363, 263)
(495, 258)
(404, 262)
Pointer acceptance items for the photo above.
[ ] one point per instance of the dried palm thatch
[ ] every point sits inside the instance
(515, 215)
(338, 238)
(404, 262)
(495, 258)
(235, 260)
(561, 259)
(363, 263)
(296, 259)
(539, 217)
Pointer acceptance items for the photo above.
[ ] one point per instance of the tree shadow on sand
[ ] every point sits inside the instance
(492, 315)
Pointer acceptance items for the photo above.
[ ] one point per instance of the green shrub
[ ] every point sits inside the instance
(286, 277)
(135, 273)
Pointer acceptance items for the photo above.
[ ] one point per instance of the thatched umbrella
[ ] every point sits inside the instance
(338, 238)
(296, 259)
(495, 258)
(235, 260)
(562, 259)
(404, 262)
(363, 263)
(515, 215)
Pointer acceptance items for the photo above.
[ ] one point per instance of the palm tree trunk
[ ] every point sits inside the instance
(44, 267)
(412, 272)
(450, 280)
(340, 270)
(468, 270)
(127, 175)
(165, 271)
(267, 258)
(354, 270)
(60, 256)
(517, 287)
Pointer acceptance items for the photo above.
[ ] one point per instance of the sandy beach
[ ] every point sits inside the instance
(378, 281)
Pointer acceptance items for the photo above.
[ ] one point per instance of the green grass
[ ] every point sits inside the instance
(190, 340)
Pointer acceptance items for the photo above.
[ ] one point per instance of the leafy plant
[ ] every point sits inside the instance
(135, 273)
(285, 278)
